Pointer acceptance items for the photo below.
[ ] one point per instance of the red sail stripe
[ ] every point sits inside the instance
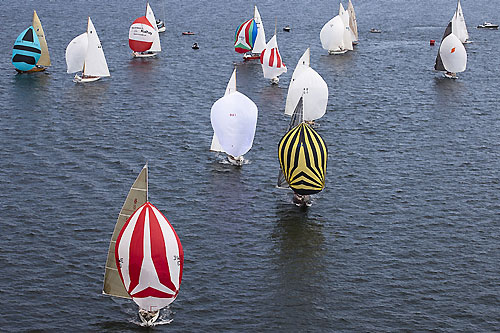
(262, 56)
(247, 33)
(278, 59)
(159, 251)
(143, 20)
(239, 30)
(271, 58)
(136, 250)
(152, 292)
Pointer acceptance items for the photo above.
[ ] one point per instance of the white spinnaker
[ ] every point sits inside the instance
(260, 40)
(156, 47)
(344, 15)
(231, 87)
(95, 62)
(332, 35)
(148, 274)
(234, 119)
(453, 54)
(353, 24)
(76, 52)
(302, 65)
(272, 71)
(458, 27)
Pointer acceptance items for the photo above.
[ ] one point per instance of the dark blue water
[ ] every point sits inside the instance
(405, 236)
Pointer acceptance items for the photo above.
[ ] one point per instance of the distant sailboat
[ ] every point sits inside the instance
(30, 53)
(234, 119)
(458, 27)
(353, 23)
(309, 85)
(335, 35)
(272, 64)
(145, 257)
(303, 155)
(452, 56)
(143, 37)
(250, 37)
(84, 53)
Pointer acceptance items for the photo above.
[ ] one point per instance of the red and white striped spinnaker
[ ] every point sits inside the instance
(141, 35)
(270, 59)
(149, 258)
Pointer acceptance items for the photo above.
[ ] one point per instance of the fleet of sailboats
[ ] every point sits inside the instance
(144, 38)
(84, 54)
(145, 257)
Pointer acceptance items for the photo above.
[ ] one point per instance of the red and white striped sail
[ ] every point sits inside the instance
(149, 258)
(141, 35)
(270, 59)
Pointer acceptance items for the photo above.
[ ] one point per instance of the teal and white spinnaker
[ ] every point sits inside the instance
(26, 50)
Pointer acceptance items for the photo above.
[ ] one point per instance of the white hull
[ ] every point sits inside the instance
(275, 80)
(337, 52)
(450, 76)
(81, 79)
(144, 54)
(162, 29)
(236, 161)
(147, 318)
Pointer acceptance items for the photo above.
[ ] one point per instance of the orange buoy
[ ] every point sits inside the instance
(432, 42)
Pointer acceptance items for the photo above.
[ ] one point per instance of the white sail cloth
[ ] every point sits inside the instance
(453, 54)
(76, 51)
(344, 15)
(270, 59)
(307, 83)
(260, 40)
(332, 35)
(234, 119)
(458, 27)
(156, 47)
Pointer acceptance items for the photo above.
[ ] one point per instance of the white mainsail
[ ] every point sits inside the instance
(307, 83)
(156, 47)
(95, 62)
(137, 196)
(353, 24)
(44, 57)
(76, 52)
(234, 119)
(260, 40)
(453, 54)
(347, 31)
(332, 35)
(458, 26)
(272, 64)
(231, 87)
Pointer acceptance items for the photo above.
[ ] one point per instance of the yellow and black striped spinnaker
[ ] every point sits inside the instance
(302, 154)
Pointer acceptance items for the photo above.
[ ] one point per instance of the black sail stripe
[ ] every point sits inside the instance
(28, 36)
(27, 48)
(24, 58)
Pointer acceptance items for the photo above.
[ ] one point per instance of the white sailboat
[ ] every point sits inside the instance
(84, 53)
(458, 27)
(260, 40)
(452, 56)
(272, 64)
(353, 23)
(309, 85)
(335, 35)
(156, 46)
(344, 14)
(234, 119)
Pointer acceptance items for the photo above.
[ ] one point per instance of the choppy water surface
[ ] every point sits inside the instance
(404, 237)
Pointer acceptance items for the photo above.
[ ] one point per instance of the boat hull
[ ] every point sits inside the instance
(450, 76)
(82, 79)
(144, 54)
(332, 52)
(33, 70)
(247, 57)
(147, 318)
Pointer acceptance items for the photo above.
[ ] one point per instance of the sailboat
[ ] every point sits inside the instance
(458, 27)
(250, 37)
(353, 24)
(303, 155)
(309, 85)
(84, 53)
(145, 257)
(452, 56)
(234, 119)
(335, 35)
(143, 37)
(270, 59)
(30, 52)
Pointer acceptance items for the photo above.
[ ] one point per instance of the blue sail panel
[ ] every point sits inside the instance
(27, 50)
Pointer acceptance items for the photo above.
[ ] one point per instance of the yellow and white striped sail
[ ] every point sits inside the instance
(137, 196)
(303, 155)
(44, 57)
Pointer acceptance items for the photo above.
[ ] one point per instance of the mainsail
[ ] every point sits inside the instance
(260, 41)
(458, 26)
(307, 83)
(137, 196)
(303, 155)
(156, 47)
(353, 24)
(26, 51)
(270, 59)
(150, 258)
(95, 62)
(44, 57)
(344, 15)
